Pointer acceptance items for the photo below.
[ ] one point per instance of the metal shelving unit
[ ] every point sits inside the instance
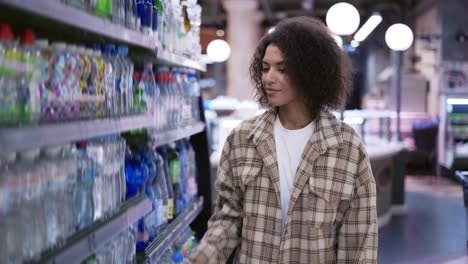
(29, 137)
(167, 58)
(167, 238)
(165, 137)
(86, 242)
(61, 13)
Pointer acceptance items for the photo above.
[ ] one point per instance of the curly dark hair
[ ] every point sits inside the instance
(314, 63)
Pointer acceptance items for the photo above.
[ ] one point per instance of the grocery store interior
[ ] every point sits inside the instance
(114, 113)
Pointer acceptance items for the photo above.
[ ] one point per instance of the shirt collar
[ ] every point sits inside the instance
(327, 130)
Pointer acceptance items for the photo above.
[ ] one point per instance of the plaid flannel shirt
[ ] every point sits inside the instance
(332, 212)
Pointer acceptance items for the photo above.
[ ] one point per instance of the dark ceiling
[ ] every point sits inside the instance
(274, 10)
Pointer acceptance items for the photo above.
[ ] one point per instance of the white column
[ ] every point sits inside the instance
(243, 34)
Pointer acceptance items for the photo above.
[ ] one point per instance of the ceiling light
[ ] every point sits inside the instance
(218, 50)
(399, 37)
(368, 27)
(343, 19)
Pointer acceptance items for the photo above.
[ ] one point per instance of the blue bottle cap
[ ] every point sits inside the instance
(96, 46)
(178, 257)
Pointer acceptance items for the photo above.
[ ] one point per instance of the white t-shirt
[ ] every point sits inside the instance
(289, 148)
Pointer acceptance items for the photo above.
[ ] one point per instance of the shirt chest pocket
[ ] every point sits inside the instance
(326, 198)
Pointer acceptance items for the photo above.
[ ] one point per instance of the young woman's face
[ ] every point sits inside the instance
(276, 83)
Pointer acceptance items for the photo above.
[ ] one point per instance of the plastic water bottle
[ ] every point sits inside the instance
(161, 192)
(126, 83)
(120, 83)
(162, 151)
(31, 212)
(84, 201)
(102, 8)
(175, 171)
(194, 86)
(32, 59)
(192, 187)
(97, 81)
(50, 160)
(8, 91)
(136, 174)
(118, 11)
(109, 81)
(9, 199)
(147, 77)
(96, 153)
(183, 177)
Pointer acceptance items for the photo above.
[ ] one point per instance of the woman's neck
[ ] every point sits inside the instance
(294, 116)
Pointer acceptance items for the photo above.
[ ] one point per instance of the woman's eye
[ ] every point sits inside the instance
(265, 69)
(282, 70)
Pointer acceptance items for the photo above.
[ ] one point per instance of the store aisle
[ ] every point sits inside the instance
(434, 229)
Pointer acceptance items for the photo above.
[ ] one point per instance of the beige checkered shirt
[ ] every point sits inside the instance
(332, 211)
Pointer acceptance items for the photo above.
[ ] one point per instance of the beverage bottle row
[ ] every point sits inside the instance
(37, 210)
(54, 82)
(166, 176)
(119, 250)
(170, 95)
(47, 195)
(176, 24)
(179, 30)
(179, 252)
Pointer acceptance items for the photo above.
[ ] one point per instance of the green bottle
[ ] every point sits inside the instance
(103, 8)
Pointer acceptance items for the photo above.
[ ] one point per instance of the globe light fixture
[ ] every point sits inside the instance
(343, 19)
(399, 37)
(218, 50)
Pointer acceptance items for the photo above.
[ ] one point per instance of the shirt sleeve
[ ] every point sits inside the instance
(358, 236)
(224, 227)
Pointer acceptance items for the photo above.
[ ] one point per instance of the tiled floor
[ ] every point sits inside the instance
(434, 230)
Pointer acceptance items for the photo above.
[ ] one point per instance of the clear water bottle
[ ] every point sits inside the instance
(126, 82)
(70, 169)
(109, 81)
(162, 194)
(191, 170)
(147, 78)
(84, 201)
(31, 211)
(163, 153)
(183, 180)
(10, 192)
(51, 160)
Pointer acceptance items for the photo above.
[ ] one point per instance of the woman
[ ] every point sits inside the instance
(294, 184)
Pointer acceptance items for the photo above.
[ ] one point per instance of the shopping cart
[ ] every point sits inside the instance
(462, 176)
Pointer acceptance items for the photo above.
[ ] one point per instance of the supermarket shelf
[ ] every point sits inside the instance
(59, 12)
(28, 137)
(163, 138)
(180, 61)
(461, 155)
(167, 238)
(86, 242)
(456, 123)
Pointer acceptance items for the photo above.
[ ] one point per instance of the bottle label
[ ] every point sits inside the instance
(174, 168)
(170, 209)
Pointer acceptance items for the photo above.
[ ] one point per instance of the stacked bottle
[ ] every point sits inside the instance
(42, 82)
(166, 176)
(40, 189)
(176, 24)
